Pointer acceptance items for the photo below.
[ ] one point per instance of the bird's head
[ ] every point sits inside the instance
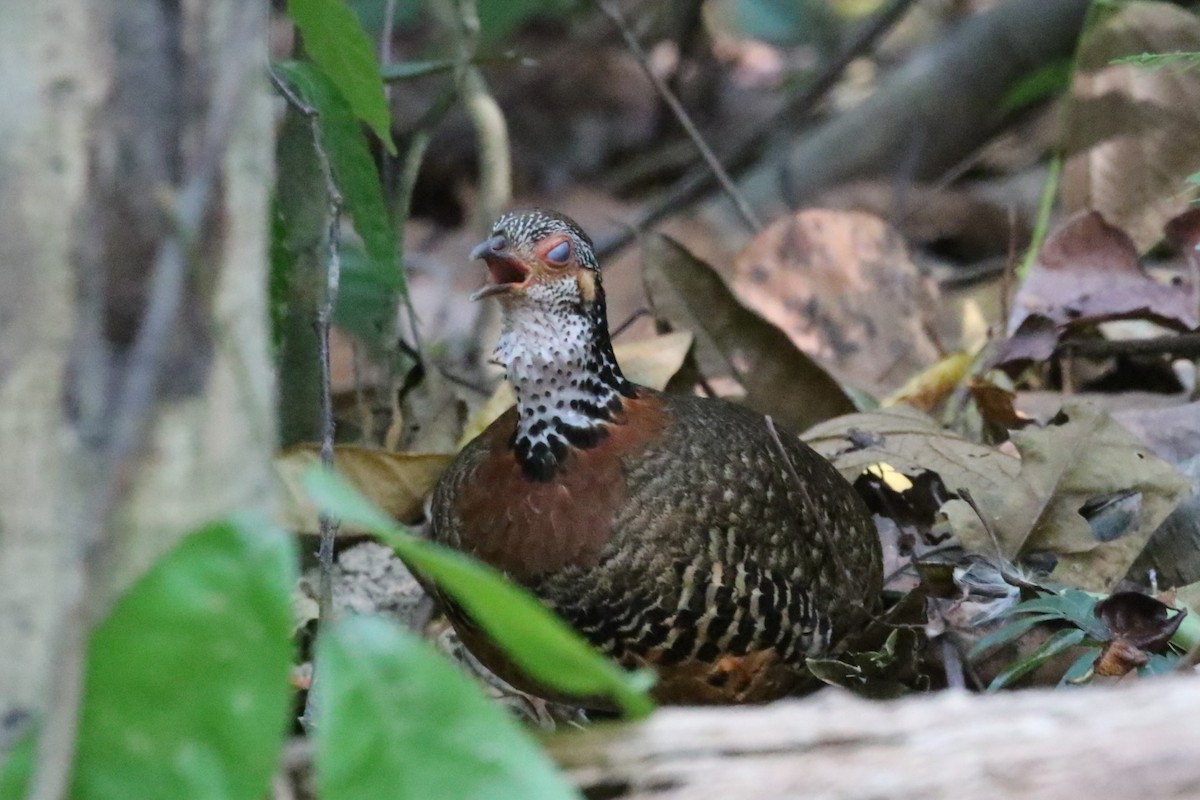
(538, 258)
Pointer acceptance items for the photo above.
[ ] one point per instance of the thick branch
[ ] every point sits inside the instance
(1133, 742)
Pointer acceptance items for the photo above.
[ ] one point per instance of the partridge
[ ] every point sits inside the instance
(668, 529)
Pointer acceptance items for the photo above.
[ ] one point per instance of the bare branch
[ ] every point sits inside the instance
(710, 158)
(694, 184)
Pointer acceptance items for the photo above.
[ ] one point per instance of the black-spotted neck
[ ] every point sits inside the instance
(558, 357)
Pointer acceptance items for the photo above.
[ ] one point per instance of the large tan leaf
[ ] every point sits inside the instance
(1136, 174)
(734, 341)
(1034, 503)
(1065, 468)
(649, 362)
(396, 482)
(911, 442)
(841, 285)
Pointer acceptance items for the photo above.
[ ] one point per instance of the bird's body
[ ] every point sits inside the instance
(667, 529)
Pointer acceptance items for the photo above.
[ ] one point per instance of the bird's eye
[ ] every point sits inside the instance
(559, 253)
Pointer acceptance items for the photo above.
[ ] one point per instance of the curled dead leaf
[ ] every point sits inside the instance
(1139, 619)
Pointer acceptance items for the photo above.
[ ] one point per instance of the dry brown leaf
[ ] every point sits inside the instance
(842, 286)
(396, 482)
(1066, 468)
(1136, 175)
(1087, 272)
(911, 443)
(650, 362)
(732, 340)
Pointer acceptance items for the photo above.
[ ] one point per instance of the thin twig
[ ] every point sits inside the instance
(681, 115)
(693, 185)
(969, 499)
(134, 403)
(333, 271)
(1183, 345)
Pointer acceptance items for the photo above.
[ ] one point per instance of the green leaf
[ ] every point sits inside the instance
(1051, 647)
(337, 43)
(1006, 634)
(1081, 667)
(186, 690)
(366, 301)
(397, 721)
(1072, 605)
(499, 18)
(539, 642)
(17, 766)
(1042, 83)
(352, 165)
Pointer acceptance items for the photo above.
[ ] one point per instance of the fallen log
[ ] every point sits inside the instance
(1139, 740)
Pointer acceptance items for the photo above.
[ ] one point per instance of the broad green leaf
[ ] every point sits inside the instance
(1006, 634)
(397, 721)
(366, 301)
(338, 44)
(1056, 644)
(186, 690)
(540, 643)
(352, 165)
(17, 767)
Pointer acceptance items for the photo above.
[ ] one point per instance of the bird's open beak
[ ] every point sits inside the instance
(507, 272)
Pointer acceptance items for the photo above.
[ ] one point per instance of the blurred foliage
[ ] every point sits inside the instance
(337, 44)
(398, 722)
(540, 643)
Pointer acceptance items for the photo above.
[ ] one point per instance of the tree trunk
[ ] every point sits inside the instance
(135, 162)
(1132, 742)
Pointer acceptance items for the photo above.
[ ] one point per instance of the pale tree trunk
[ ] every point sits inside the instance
(135, 165)
(1119, 743)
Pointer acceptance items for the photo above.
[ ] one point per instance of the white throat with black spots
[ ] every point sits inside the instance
(556, 352)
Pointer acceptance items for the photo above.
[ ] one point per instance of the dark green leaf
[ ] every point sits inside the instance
(1080, 668)
(541, 644)
(1159, 664)
(17, 766)
(1006, 634)
(1072, 605)
(366, 302)
(337, 43)
(1056, 644)
(1042, 83)
(353, 168)
(186, 691)
(397, 721)
(499, 18)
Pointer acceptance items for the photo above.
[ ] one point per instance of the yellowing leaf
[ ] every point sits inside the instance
(928, 388)
(649, 362)
(396, 482)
